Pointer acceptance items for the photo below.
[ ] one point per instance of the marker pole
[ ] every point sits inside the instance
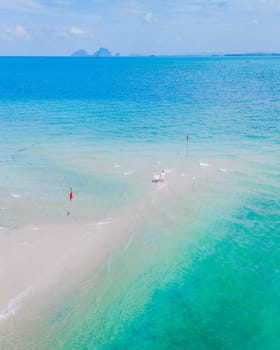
(187, 145)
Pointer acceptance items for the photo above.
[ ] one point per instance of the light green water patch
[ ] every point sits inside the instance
(227, 301)
(163, 244)
(210, 281)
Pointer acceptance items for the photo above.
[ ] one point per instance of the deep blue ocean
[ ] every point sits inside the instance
(201, 270)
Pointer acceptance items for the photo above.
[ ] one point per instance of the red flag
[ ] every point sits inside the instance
(71, 195)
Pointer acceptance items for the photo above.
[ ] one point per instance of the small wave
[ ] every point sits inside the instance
(182, 174)
(128, 173)
(117, 166)
(224, 170)
(15, 195)
(203, 164)
(14, 304)
(99, 223)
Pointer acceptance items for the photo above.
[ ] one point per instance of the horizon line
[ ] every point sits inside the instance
(158, 55)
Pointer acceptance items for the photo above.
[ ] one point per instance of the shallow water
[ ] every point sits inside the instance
(201, 267)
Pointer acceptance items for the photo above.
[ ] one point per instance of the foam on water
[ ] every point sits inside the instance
(204, 164)
(15, 195)
(14, 304)
(129, 172)
(224, 170)
(100, 223)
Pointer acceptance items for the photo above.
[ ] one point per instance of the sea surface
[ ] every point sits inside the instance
(201, 267)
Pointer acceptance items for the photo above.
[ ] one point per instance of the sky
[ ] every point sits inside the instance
(170, 27)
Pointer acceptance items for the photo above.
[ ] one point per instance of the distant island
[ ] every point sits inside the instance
(80, 53)
(102, 52)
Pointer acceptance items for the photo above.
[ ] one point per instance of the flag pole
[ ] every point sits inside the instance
(187, 145)
(70, 198)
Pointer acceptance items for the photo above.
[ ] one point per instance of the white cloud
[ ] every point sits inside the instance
(74, 31)
(77, 31)
(139, 9)
(149, 17)
(19, 32)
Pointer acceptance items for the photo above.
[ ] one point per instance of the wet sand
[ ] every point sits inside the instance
(34, 258)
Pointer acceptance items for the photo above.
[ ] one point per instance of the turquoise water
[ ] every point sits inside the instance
(201, 268)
